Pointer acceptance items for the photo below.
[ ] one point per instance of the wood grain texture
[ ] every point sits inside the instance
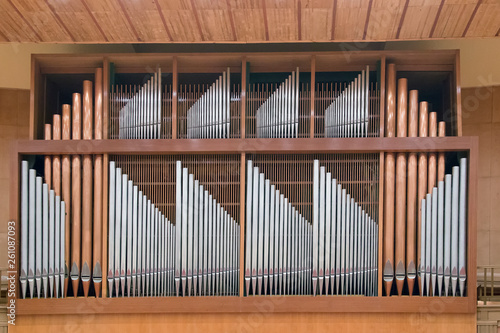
(287, 322)
(242, 21)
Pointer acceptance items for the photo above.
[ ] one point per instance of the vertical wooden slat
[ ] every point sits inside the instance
(14, 215)
(243, 104)
(174, 97)
(382, 97)
(105, 99)
(313, 85)
(458, 96)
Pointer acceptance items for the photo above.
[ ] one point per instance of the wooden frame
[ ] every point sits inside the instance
(340, 61)
(250, 304)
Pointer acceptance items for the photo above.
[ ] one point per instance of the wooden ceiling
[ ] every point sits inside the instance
(242, 21)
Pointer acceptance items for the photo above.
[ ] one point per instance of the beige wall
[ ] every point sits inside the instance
(481, 117)
(478, 57)
(14, 110)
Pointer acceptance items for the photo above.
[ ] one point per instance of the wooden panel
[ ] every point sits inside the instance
(112, 20)
(43, 20)
(261, 322)
(145, 18)
(384, 19)
(282, 20)
(232, 304)
(181, 20)
(485, 22)
(350, 19)
(249, 20)
(419, 19)
(74, 14)
(13, 25)
(223, 146)
(454, 17)
(215, 20)
(316, 20)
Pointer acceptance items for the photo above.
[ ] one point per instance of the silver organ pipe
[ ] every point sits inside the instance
(151, 256)
(42, 238)
(140, 117)
(278, 116)
(443, 236)
(210, 117)
(348, 114)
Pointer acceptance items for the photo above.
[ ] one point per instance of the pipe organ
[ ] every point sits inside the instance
(140, 117)
(209, 117)
(125, 198)
(347, 116)
(278, 116)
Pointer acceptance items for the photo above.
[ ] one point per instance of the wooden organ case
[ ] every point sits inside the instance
(242, 192)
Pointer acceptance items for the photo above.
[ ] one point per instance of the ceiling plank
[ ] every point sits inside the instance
(14, 27)
(316, 19)
(145, 18)
(111, 19)
(453, 18)
(74, 15)
(420, 19)
(486, 22)
(282, 20)
(385, 16)
(43, 20)
(250, 20)
(180, 20)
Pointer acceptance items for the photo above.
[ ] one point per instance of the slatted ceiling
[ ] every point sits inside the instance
(146, 19)
(40, 16)
(419, 19)
(486, 20)
(454, 18)
(249, 20)
(74, 16)
(12, 25)
(384, 20)
(282, 18)
(180, 20)
(112, 20)
(316, 19)
(350, 19)
(216, 23)
(188, 21)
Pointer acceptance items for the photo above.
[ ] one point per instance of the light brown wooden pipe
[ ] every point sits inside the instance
(411, 204)
(76, 197)
(441, 163)
(431, 180)
(423, 129)
(87, 191)
(97, 239)
(388, 254)
(48, 159)
(66, 186)
(400, 227)
(56, 160)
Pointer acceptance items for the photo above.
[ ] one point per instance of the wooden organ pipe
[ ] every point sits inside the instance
(66, 189)
(87, 190)
(441, 161)
(388, 256)
(411, 205)
(56, 161)
(98, 194)
(400, 218)
(76, 199)
(432, 156)
(422, 184)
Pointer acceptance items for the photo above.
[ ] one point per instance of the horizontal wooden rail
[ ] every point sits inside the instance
(227, 146)
(275, 304)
